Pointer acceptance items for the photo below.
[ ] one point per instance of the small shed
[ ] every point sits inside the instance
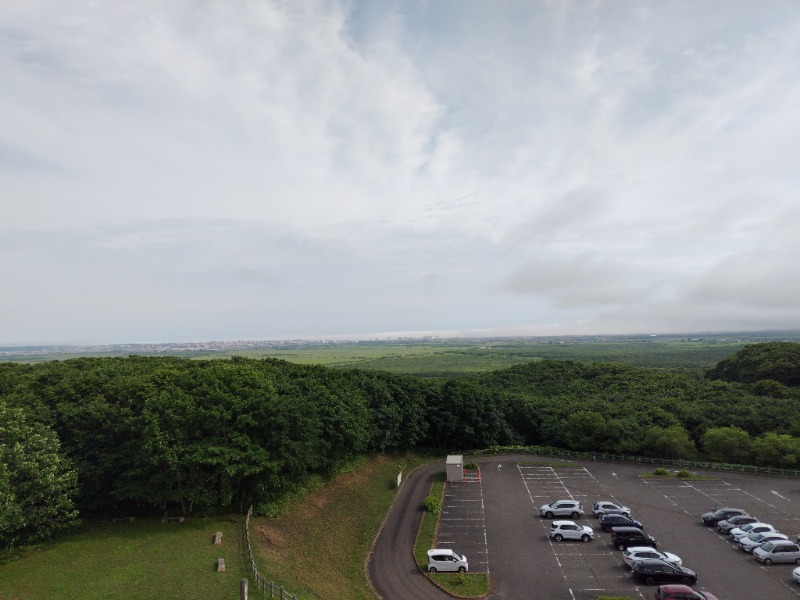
(455, 467)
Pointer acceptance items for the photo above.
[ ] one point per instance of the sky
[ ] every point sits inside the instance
(184, 171)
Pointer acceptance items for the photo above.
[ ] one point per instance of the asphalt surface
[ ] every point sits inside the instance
(496, 523)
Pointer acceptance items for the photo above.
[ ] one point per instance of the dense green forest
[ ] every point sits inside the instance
(98, 436)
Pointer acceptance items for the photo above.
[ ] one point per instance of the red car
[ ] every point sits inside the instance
(682, 592)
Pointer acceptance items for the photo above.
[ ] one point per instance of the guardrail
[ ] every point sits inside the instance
(262, 583)
(675, 462)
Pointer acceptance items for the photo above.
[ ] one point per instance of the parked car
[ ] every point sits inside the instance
(655, 571)
(778, 552)
(604, 507)
(739, 532)
(750, 542)
(682, 592)
(444, 560)
(714, 517)
(609, 521)
(796, 574)
(569, 530)
(634, 554)
(726, 525)
(562, 508)
(624, 537)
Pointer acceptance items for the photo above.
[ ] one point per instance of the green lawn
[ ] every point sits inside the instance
(142, 560)
(315, 549)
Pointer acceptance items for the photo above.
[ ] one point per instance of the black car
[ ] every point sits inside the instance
(622, 537)
(653, 571)
(712, 518)
(609, 521)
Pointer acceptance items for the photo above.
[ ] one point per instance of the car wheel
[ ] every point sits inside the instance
(621, 547)
(686, 581)
(650, 581)
(558, 537)
(574, 515)
(797, 561)
(548, 514)
(585, 538)
(767, 561)
(462, 570)
(432, 569)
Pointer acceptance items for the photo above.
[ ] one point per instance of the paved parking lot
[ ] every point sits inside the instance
(462, 525)
(496, 522)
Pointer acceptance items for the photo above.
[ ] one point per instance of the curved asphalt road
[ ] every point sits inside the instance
(391, 566)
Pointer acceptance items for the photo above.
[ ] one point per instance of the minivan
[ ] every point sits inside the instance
(444, 560)
(778, 551)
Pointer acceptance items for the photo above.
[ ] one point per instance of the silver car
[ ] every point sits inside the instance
(562, 508)
(634, 554)
(726, 525)
(606, 507)
(778, 552)
(754, 540)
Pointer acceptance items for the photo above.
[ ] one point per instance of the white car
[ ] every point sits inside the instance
(562, 508)
(444, 560)
(738, 533)
(636, 553)
(605, 507)
(750, 542)
(569, 530)
(796, 574)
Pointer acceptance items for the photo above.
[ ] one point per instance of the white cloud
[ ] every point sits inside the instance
(258, 168)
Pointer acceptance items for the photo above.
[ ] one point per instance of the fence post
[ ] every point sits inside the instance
(243, 589)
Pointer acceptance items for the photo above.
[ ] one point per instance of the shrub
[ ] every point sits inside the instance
(684, 474)
(432, 504)
(660, 472)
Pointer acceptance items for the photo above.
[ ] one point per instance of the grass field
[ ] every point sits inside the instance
(146, 560)
(447, 357)
(316, 549)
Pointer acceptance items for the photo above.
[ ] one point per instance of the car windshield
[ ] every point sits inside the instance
(748, 527)
(457, 556)
(756, 537)
(720, 512)
(768, 546)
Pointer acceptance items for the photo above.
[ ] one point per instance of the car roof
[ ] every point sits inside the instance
(440, 551)
(564, 522)
(641, 549)
(675, 587)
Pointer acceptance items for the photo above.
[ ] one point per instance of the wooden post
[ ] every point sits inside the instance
(243, 588)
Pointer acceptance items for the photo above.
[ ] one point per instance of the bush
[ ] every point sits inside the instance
(684, 474)
(432, 504)
(661, 472)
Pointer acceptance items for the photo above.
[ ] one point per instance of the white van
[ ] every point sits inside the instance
(446, 560)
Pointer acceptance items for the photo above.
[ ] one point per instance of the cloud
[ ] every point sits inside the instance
(265, 168)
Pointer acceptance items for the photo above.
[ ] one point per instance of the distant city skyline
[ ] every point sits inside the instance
(270, 170)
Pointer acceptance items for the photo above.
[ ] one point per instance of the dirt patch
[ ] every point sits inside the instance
(271, 542)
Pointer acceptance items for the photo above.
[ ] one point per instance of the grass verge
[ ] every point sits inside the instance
(462, 585)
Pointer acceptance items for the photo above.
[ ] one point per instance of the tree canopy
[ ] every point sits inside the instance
(150, 434)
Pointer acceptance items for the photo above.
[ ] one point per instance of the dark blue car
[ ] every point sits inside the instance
(609, 521)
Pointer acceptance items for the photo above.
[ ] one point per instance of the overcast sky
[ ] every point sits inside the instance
(220, 170)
